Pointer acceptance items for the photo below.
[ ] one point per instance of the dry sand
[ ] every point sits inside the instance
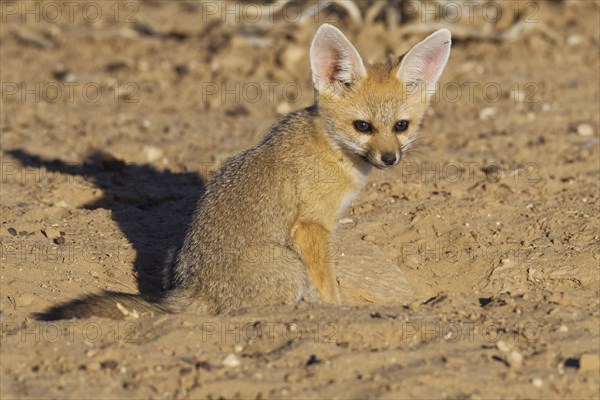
(469, 271)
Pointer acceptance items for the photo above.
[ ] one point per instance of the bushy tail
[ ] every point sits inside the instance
(111, 305)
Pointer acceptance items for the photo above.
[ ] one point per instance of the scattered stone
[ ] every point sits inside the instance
(585, 130)
(503, 346)
(61, 73)
(537, 382)
(181, 69)
(283, 108)
(238, 348)
(146, 123)
(117, 65)
(571, 363)
(589, 362)
(515, 359)
(493, 172)
(346, 221)
(574, 40)
(237, 111)
(12, 231)
(203, 365)
(231, 361)
(153, 153)
(563, 328)
(487, 113)
(109, 364)
(59, 240)
(313, 360)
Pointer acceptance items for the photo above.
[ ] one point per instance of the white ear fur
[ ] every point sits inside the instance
(333, 58)
(425, 62)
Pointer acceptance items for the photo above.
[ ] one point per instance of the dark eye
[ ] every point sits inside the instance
(362, 126)
(401, 125)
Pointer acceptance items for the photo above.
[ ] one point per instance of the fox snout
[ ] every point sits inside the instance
(389, 158)
(384, 159)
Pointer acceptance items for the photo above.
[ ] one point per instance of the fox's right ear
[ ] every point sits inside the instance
(333, 59)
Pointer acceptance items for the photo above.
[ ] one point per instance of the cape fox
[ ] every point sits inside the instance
(261, 230)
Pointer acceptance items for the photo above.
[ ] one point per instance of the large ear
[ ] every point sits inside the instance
(333, 59)
(425, 62)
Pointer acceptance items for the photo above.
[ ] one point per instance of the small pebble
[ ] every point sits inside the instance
(153, 153)
(503, 346)
(109, 364)
(12, 231)
(283, 108)
(585, 130)
(487, 113)
(313, 360)
(232, 361)
(537, 382)
(574, 40)
(181, 69)
(515, 359)
(146, 123)
(59, 240)
(346, 221)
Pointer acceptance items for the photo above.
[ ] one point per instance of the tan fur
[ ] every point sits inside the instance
(312, 239)
(261, 231)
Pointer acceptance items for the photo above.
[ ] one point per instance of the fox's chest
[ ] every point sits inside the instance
(333, 192)
(359, 177)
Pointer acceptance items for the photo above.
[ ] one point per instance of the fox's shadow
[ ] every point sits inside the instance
(152, 208)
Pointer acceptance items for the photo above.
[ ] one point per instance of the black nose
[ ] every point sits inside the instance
(388, 158)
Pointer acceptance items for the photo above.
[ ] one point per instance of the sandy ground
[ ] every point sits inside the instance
(469, 271)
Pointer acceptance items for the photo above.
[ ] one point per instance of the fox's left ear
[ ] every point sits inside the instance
(425, 62)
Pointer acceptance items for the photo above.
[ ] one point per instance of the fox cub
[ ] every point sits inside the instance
(260, 232)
